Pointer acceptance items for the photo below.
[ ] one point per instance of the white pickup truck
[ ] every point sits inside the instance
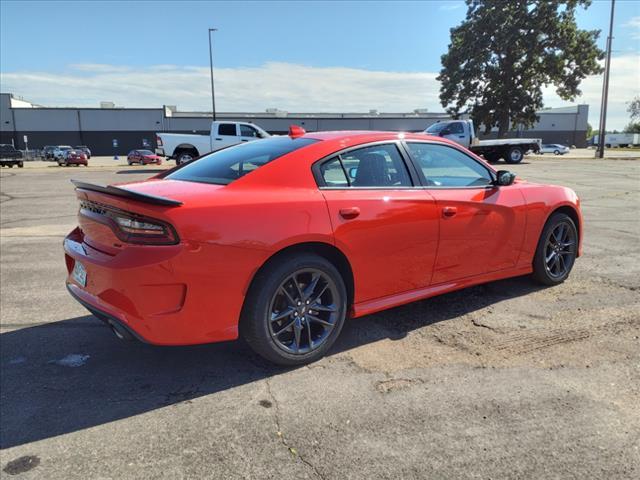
(184, 147)
(462, 132)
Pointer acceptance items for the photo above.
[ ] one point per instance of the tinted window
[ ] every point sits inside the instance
(225, 166)
(227, 129)
(456, 128)
(247, 131)
(376, 166)
(435, 128)
(444, 166)
(333, 173)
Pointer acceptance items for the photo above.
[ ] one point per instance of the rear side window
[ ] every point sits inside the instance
(376, 166)
(225, 166)
(227, 129)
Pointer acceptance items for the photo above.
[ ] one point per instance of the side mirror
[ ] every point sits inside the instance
(504, 178)
(353, 172)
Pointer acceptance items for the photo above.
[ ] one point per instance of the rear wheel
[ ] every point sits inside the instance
(295, 310)
(185, 156)
(556, 152)
(514, 155)
(556, 251)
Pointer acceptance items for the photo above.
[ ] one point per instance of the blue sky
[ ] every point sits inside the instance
(49, 48)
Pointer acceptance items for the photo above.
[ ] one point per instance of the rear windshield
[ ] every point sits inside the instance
(225, 166)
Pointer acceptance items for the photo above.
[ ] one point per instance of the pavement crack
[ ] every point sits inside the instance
(283, 438)
(482, 325)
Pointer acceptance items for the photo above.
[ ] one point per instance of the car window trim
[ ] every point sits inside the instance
(416, 183)
(423, 179)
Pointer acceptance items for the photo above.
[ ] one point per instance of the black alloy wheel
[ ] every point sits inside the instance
(557, 250)
(295, 310)
(303, 311)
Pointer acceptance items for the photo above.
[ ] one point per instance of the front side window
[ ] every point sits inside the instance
(444, 166)
(227, 129)
(456, 128)
(376, 166)
(247, 131)
(229, 164)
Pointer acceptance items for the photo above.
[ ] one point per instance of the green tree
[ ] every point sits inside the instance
(505, 51)
(589, 131)
(634, 109)
(632, 127)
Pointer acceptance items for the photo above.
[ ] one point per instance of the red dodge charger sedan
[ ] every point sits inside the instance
(280, 240)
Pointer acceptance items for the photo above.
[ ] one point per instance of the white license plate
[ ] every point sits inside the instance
(79, 274)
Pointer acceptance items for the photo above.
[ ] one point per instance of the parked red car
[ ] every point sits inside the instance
(281, 239)
(73, 157)
(143, 157)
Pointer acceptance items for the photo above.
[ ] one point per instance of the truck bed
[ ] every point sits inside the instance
(508, 141)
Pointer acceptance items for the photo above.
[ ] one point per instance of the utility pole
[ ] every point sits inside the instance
(605, 89)
(213, 96)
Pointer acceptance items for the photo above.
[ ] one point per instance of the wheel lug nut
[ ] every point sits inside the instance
(307, 302)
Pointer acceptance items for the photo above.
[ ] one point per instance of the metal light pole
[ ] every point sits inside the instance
(605, 89)
(213, 96)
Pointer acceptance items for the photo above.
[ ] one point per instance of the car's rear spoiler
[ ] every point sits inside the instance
(124, 193)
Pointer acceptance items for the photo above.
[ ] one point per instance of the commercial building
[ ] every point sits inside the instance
(136, 127)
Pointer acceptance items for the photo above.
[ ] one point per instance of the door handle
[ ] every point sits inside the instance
(349, 213)
(449, 211)
(244, 140)
(218, 139)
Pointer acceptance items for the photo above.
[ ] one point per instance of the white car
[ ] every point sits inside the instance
(554, 148)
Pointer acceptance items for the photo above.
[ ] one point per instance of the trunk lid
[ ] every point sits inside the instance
(152, 199)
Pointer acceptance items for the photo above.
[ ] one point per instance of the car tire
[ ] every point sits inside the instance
(556, 251)
(20, 164)
(556, 152)
(514, 155)
(298, 337)
(185, 156)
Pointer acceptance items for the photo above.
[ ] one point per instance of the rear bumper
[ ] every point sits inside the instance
(162, 295)
(112, 321)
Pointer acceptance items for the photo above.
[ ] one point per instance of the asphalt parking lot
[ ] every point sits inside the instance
(504, 380)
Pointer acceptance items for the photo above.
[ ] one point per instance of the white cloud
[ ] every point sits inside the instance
(451, 5)
(634, 24)
(624, 85)
(286, 86)
(291, 87)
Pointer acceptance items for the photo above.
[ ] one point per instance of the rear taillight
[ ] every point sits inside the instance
(158, 141)
(131, 227)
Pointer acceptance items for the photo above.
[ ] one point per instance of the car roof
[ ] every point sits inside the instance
(369, 136)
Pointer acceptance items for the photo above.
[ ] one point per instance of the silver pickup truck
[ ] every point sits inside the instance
(512, 150)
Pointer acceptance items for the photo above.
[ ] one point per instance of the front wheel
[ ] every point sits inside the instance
(514, 155)
(557, 250)
(295, 310)
(556, 152)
